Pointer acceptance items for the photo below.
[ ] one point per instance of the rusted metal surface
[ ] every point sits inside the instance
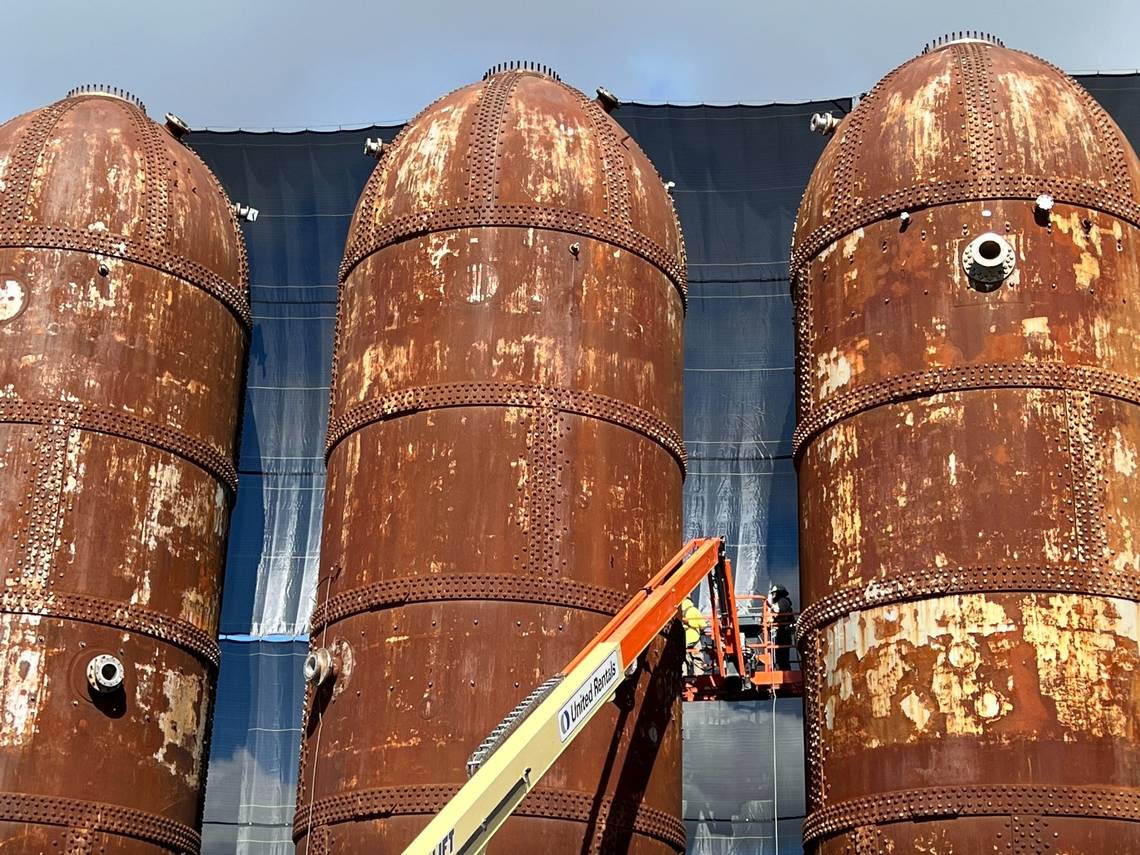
(967, 448)
(504, 471)
(123, 323)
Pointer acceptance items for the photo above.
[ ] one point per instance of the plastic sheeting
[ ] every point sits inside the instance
(305, 186)
(739, 174)
(743, 780)
(252, 781)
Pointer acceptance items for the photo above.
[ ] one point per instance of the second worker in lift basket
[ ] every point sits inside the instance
(780, 605)
(695, 625)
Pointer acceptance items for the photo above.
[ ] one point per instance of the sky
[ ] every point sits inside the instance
(264, 64)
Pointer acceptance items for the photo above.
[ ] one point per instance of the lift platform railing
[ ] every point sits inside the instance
(764, 651)
(523, 747)
(762, 673)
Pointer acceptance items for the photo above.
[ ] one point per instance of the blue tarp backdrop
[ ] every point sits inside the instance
(739, 174)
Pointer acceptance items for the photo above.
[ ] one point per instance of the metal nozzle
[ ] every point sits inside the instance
(823, 123)
(607, 99)
(319, 667)
(178, 128)
(374, 147)
(105, 673)
(245, 212)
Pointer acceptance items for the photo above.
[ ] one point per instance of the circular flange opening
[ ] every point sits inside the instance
(988, 260)
(105, 673)
(988, 250)
(13, 298)
(318, 666)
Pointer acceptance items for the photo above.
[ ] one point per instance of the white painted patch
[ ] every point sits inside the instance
(952, 466)
(833, 372)
(179, 723)
(165, 479)
(1123, 454)
(440, 249)
(988, 706)
(24, 682)
(484, 283)
(914, 709)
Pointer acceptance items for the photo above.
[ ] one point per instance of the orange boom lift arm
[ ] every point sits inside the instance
(523, 747)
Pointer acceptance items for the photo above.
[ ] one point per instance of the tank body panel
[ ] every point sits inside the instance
(966, 447)
(123, 323)
(504, 471)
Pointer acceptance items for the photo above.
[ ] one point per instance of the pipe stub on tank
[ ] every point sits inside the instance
(988, 260)
(319, 667)
(105, 673)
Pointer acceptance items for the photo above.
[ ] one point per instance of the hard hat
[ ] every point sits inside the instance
(687, 603)
(777, 589)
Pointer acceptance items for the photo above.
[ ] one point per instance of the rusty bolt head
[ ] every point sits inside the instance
(823, 123)
(607, 99)
(374, 147)
(177, 127)
(104, 270)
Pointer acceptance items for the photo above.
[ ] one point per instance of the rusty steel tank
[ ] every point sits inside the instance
(504, 471)
(123, 325)
(965, 267)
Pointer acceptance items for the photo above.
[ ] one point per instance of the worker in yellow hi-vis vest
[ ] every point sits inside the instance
(695, 626)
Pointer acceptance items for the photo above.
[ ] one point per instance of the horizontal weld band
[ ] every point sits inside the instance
(997, 375)
(545, 590)
(81, 416)
(444, 395)
(541, 803)
(919, 196)
(917, 584)
(116, 614)
(35, 236)
(520, 216)
(99, 816)
(953, 801)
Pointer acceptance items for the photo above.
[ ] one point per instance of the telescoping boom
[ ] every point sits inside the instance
(520, 750)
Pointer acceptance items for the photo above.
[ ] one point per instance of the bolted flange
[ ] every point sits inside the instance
(105, 673)
(320, 667)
